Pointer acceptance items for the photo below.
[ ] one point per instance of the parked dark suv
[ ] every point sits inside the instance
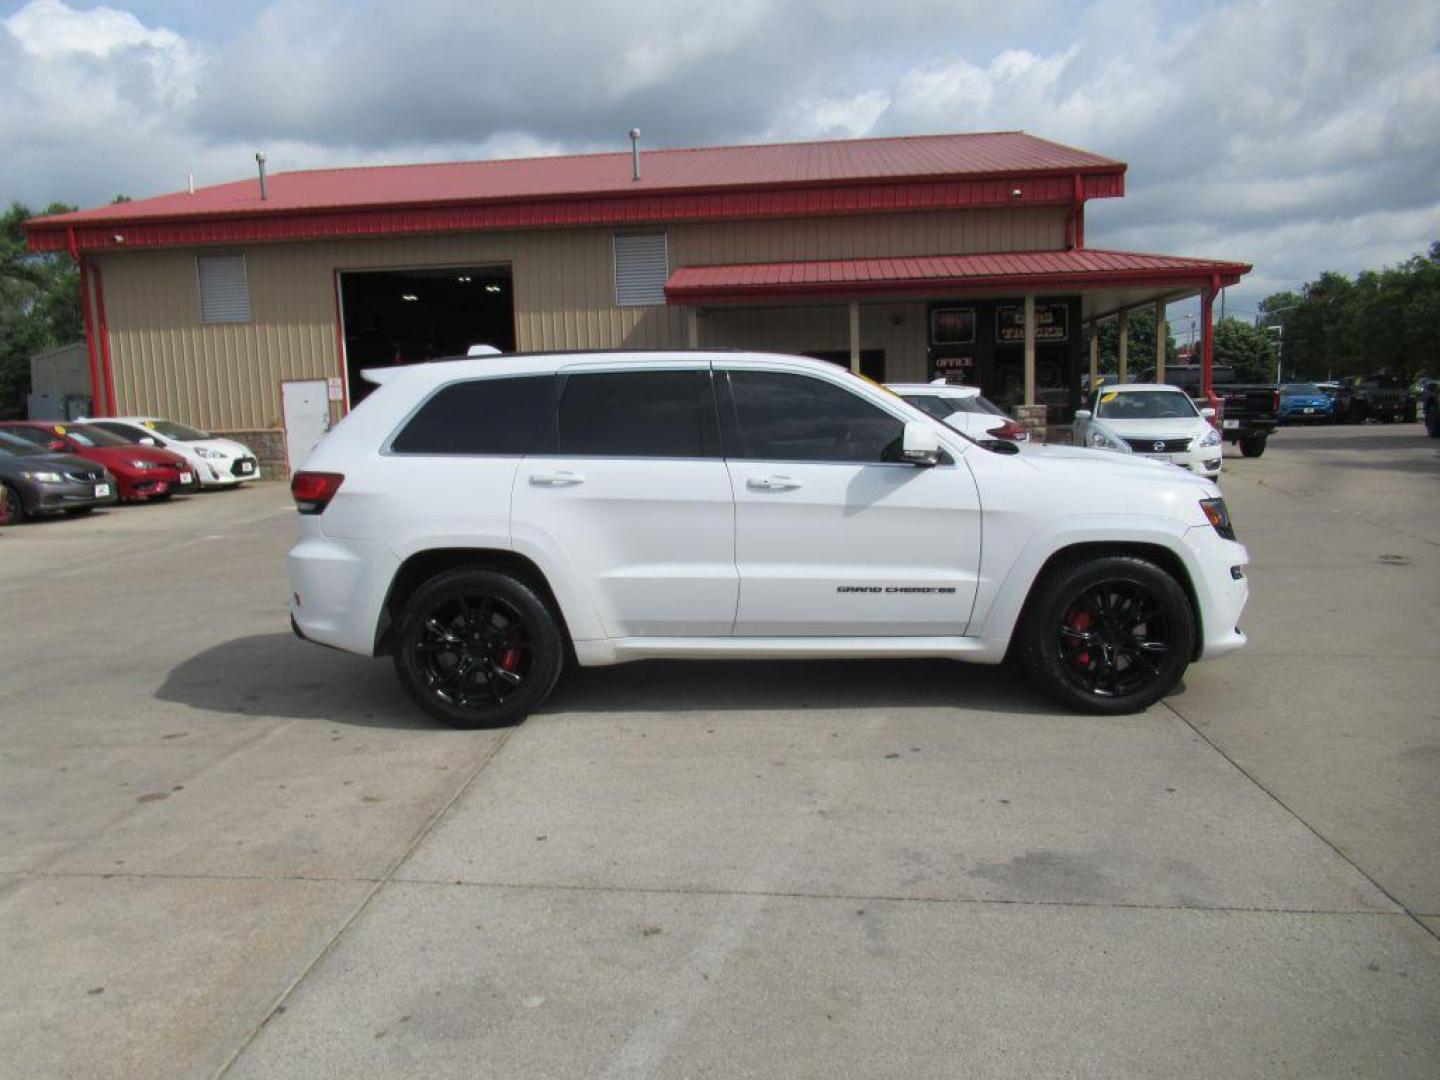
(1373, 397)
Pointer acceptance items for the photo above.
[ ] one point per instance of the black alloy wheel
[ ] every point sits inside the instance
(12, 510)
(478, 648)
(1112, 634)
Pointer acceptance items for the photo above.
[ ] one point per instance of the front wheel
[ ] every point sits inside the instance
(478, 648)
(12, 510)
(1252, 446)
(1108, 634)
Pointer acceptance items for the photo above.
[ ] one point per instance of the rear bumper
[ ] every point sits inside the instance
(338, 588)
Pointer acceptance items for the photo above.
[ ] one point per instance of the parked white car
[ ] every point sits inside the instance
(1156, 422)
(480, 520)
(217, 462)
(963, 408)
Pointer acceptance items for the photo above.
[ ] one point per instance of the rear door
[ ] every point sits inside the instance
(833, 535)
(636, 503)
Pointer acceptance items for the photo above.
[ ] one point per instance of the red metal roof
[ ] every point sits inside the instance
(736, 181)
(927, 274)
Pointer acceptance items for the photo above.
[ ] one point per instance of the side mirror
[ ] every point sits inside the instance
(55, 444)
(921, 444)
(1208, 413)
(1083, 414)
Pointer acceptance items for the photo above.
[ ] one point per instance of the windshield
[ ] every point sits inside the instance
(10, 446)
(89, 435)
(1146, 405)
(171, 430)
(1301, 389)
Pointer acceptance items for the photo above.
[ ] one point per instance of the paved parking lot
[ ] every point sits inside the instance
(223, 850)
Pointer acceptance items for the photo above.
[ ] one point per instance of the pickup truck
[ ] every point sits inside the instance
(1373, 397)
(1249, 412)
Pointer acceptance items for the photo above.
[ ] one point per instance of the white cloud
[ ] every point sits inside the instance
(1301, 135)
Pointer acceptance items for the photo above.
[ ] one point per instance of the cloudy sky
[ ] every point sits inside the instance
(1300, 135)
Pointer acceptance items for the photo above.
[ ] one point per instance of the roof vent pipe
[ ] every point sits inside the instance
(264, 190)
(634, 153)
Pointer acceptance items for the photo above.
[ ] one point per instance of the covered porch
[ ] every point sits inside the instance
(1023, 326)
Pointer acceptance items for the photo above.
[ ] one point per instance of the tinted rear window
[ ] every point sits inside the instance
(637, 414)
(486, 416)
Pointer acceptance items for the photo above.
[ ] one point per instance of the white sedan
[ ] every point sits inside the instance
(217, 462)
(1157, 422)
(962, 408)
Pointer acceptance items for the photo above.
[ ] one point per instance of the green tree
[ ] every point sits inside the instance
(1246, 348)
(1142, 343)
(39, 303)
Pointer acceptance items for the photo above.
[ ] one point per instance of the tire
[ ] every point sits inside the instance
(13, 513)
(1125, 668)
(491, 628)
(1253, 445)
(78, 511)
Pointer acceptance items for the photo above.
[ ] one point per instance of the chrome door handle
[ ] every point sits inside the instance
(556, 479)
(772, 483)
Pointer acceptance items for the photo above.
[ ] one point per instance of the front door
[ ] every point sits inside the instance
(637, 501)
(833, 535)
(306, 408)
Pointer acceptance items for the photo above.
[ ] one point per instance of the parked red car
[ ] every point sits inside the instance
(141, 472)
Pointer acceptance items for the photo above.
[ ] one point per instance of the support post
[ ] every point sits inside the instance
(692, 326)
(1124, 346)
(855, 336)
(1207, 343)
(1029, 348)
(1094, 354)
(1160, 336)
(1031, 414)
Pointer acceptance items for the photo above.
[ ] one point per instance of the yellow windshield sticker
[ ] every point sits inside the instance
(150, 424)
(59, 429)
(1105, 399)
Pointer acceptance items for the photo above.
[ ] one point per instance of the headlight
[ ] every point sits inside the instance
(1219, 516)
(44, 477)
(142, 465)
(1103, 440)
(1210, 438)
(209, 454)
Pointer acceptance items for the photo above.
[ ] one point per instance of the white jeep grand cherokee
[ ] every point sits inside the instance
(481, 520)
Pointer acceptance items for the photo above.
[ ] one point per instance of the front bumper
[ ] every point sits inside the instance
(1222, 588)
(69, 495)
(1205, 461)
(227, 472)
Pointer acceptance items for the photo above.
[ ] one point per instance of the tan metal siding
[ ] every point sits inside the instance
(954, 232)
(228, 376)
(899, 329)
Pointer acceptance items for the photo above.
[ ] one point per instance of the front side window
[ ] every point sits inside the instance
(1154, 405)
(484, 416)
(637, 414)
(179, 432)
(785, 417)
(127, 432)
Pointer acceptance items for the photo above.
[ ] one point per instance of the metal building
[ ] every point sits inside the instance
(902, 258)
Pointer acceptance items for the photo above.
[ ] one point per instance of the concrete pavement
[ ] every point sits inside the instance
(225, 851)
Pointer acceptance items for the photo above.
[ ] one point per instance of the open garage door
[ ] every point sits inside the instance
(395, 317)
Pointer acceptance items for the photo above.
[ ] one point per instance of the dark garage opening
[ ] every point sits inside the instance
(394, 317)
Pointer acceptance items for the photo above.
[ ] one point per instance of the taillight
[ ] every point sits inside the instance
(1010, 431)
(314, 490)
(1277, 400)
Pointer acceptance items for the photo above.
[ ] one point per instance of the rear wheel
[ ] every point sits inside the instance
(1253, 445)
(1108, 634)
(12, 510)
(478, 648)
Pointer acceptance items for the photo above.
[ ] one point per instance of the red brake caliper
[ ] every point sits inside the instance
(510, 659)
(1081, 621)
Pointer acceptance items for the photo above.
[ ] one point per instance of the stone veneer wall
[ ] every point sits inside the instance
(268, 446)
